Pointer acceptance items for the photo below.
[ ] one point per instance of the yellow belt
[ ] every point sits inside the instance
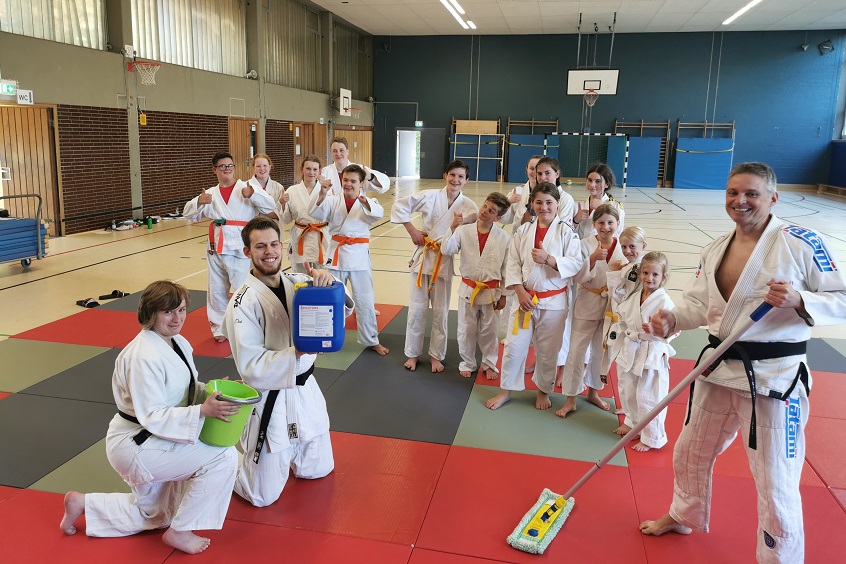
(598, 291)
(479, 286)
(430, 245)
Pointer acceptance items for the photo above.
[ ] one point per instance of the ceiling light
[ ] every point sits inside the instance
(457, 6)
(471, 24)
(452, 11)
(742, 11)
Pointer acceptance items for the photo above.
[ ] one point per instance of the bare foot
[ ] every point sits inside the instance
(568, 407)
(186, 541)
(665, 524)
(559, 376)
(382, 351)
(593, 397)
(619, 411)
(543, 401)
(501, 399)
(220, 338)
(640, 447)
(491, 374)
(465, 373)
(437, 365)
(622, 430)
(530, 368)
(378, 313)
(411, 364)
(74, 508)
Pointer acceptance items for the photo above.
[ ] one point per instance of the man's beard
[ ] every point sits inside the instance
(263, 270)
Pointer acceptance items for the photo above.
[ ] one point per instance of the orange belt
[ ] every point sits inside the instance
(536, 297)
(346, 241)
(317, 228)
(479, 286)
(597, 291)
(430, 245)
(221, 222)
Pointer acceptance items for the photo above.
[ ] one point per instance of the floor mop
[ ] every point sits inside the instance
(539, 526)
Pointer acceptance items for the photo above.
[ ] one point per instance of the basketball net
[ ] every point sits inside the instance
(147, 71)
(591, 97)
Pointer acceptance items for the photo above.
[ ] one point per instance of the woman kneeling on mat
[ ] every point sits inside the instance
(176, 480)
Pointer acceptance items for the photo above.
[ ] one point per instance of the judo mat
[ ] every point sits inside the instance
(423, 471)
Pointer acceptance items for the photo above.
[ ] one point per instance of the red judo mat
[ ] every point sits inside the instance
(380, 490)
(483, 494)
(386, 313)
(7, 492)
(94, 327)
(733, 525)
(423, 556)
(5, 395)
(198, 333)
(32, 518)
(237, 540)
(826, 442)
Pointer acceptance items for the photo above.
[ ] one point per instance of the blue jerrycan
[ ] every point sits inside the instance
(319, 317)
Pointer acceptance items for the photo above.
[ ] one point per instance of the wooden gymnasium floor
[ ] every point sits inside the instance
(424, 473)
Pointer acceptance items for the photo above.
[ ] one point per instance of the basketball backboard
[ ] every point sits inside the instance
(601, 81)
(345, 102)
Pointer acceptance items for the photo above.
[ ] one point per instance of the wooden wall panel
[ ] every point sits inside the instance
(361, 144)
(240, 145)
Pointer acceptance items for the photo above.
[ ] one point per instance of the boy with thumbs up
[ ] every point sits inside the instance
(484, 249)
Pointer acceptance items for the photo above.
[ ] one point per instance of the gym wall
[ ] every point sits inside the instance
(783, 100)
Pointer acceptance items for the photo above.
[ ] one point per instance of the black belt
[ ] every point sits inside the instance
(141, 437)
(268, 411)
(746, 352)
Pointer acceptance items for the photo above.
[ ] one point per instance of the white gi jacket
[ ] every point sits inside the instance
(585, 229)
(329, 172)
(355, 223)
(562, 244)
(238, 209)
(437, 214)
(633, 350)
(150, 382)
(589, 305)
(299, 203)
(259, 332)
(274, 189)
(479, 267)
(793, 253)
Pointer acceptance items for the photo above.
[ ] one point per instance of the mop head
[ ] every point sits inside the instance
(539, 526)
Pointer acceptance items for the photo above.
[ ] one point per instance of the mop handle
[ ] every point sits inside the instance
(704, 363)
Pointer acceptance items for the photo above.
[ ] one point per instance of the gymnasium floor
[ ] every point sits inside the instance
(424, 472)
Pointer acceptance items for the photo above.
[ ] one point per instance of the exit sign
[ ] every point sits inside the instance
(8, 87)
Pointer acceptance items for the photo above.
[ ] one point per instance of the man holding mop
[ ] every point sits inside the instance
(760, 387)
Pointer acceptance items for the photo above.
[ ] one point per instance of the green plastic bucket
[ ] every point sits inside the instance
(217, 432)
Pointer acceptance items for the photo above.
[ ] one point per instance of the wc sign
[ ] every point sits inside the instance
(25, 97)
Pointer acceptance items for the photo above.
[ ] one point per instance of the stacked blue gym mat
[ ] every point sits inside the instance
(18, 239)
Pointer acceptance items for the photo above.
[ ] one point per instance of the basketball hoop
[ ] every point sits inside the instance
(147, 70)
(356, 112)
(591, 97)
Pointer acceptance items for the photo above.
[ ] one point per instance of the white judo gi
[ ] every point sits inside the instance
(547, 321)
(482, 284)
(588, 318)
(227, 264)
(274, 189)
(330, 172)
(585, 229)
(176, 480)
(428, 286)
(349, 253)
(309, 237)
(259, 331)
(643, 363)
(721, 404)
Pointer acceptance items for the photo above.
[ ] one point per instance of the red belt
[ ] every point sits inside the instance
(346, 241)
(221, 222)
(316, 227)
(479, 286)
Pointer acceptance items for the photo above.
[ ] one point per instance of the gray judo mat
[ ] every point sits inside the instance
(824, 357)
(397, 325)
(377, 396)
(44, 433)
(92, 380)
